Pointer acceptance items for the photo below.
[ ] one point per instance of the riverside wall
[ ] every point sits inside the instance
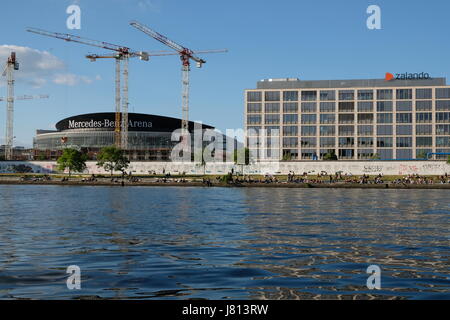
(311, 167)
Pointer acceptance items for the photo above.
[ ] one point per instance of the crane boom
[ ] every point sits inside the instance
(185, 55)
(163, 39)
(94, 43)
(28, 97)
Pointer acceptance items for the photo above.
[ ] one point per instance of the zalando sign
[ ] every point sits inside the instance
(406, 76)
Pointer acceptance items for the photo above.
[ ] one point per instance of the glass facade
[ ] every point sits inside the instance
(356, 123)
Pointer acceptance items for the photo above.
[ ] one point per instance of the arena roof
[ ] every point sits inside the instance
(105, 121)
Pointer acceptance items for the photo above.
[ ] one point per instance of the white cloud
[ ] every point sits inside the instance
(149, 5)
(39, 67)
(71, 79)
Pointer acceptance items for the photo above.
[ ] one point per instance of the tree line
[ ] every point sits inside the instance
(109, 158)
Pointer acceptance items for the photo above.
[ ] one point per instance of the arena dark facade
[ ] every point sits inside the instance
(149, 136)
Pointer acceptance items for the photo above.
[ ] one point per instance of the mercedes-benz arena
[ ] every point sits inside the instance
(149, 136)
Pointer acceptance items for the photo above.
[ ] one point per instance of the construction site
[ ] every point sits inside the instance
(142, 136)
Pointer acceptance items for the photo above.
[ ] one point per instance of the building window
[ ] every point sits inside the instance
(327, 130)
(384, 130)
(443, 156)
(422, 153)
(404, 154)
(443, 105)
(308, 130)
(346, 142)
(384, 94)
(327, 142)
(442, 93)
(404, 117)
(424, 117)
(253, 130)
(384, 106)
(346, 130)
(442, 116)
(346, 95)
(327, 95)
(424, 141)
(254, 107)
(442, 129)
(272, 108)
(308, 142)
(254, 96)
(308, 153)
(290, 107)
(309, 95)
(442, 141)
(347, 118)
(290, 95)
(384, 118)
(309, 107)
(424, 93)
(309, 118)
(290, 142)
(365, 94)
(272, 131)
(272, 119)
(365, 130)
(290, 131)
(272, 95)
(327, 118)
(404, 106)
(365, 106)
(327, 107)
(290, 119)
(424, 129)
(384, 142)
(346, 153)
(423, 105)
(404, 130)
(404, 94)
(385, 154)
(365, 153)
(365, 117)
(254, 119)
(365, 142)
(346, 106)
(404, 142)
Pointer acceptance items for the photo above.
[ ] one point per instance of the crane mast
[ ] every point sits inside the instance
(185, 55)
(11, 65)
(122, 56)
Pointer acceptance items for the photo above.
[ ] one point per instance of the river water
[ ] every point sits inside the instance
(223, 243)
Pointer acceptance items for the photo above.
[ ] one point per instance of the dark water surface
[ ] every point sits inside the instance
(223, 243)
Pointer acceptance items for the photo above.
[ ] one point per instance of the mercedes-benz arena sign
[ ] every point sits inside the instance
(136, 122)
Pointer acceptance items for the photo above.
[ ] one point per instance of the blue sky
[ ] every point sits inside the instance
(321, 39)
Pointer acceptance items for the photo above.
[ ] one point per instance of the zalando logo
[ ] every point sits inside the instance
(407, 76)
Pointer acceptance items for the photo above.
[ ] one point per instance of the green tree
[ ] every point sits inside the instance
(375, 156)
(330, 156)
(246, 156)
(73, 160)
(448, 159)
(112, 159)
(421, 155)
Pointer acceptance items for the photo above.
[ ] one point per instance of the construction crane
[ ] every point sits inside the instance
(11, 65)
(10, 122)
(122, 56)
(28, 97)
(185, 55)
